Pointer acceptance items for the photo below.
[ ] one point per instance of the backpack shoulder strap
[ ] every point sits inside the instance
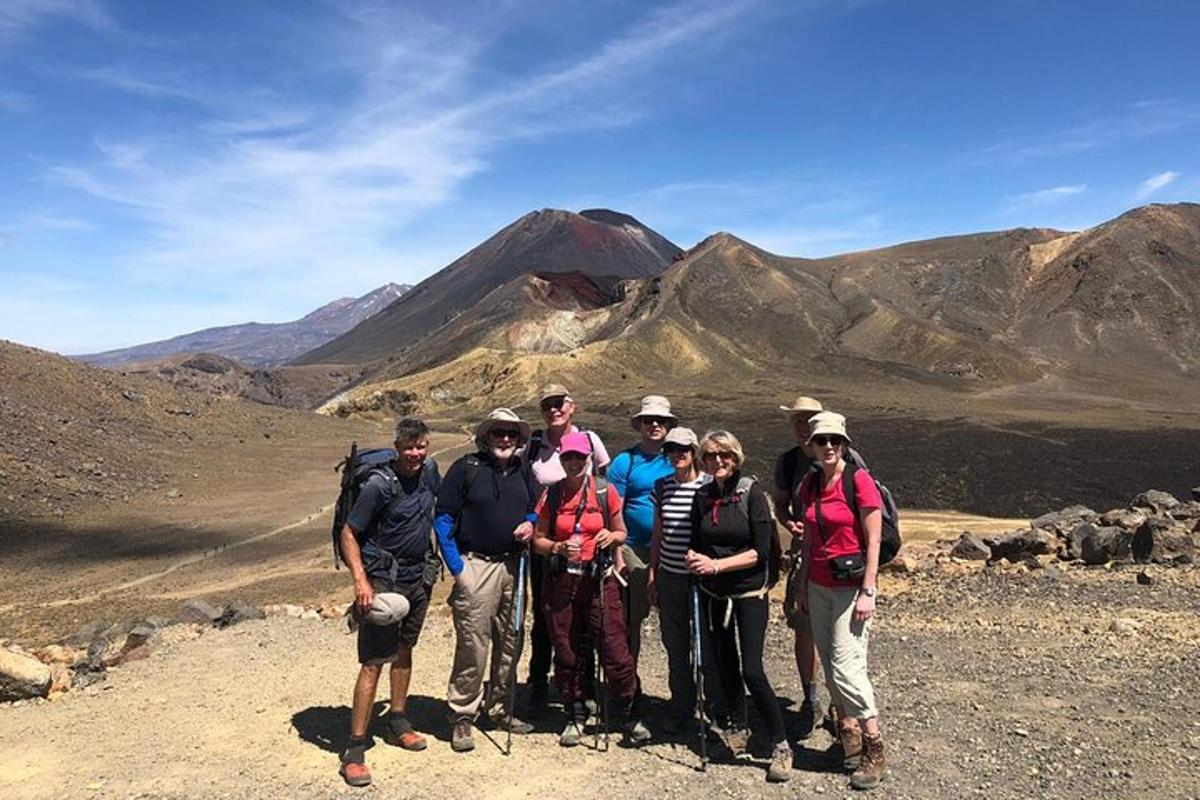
(744, 484)
(850, 489)
(471, 470)
(534, 447)
(601, 485)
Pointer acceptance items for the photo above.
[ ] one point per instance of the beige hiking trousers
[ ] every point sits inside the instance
(483, 616)
(842, 644)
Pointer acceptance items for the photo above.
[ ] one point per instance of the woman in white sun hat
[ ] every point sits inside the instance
(840, 565)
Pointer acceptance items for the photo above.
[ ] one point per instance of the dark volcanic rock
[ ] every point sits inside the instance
(1128, 518)
(1162, 542)
(198, 611)
(1101, 545)
(971, 547)
(1155, 500)
(239, 612)
(1018, 545)
(1064, 519)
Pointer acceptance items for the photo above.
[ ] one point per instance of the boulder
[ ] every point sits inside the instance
(238, 611)
(1128, 518)
(971, 548)
(1064, 519)
(1162, 542)
(1186, 511)
(22, 676)
(199, 612)
(1017, 545)
(1155, 500)
(1144, 578)
(1102, 545)
(1074, 548)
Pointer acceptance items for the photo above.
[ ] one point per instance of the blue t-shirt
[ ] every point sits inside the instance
(633, 474)
(395, 515)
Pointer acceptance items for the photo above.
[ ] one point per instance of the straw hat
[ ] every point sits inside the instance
(501, 416)
(653, 405)
(803, 405)
(827, 423)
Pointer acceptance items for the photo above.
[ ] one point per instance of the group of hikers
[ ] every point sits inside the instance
(672, 523)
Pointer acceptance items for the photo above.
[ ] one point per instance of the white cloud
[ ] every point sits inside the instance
(272, 185)
(19, 17)
(1152, 184)
(1043, 197)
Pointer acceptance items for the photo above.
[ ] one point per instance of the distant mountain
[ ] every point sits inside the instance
(1113, 310)
(260, 344)
(596, 243)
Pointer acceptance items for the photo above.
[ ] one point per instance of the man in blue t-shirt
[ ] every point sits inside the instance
(386, 544)
(633, 473)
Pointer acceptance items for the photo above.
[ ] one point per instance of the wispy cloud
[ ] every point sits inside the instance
(19, 17)
(1139, 120)
(1043, 197)
(273, 186)
(15, 102)
(33, 223)
(1152, 184)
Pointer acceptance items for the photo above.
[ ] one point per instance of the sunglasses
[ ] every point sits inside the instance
(506, 433)
(572, 456)
(828, 441)
(662, 422)
(724, 455)
(676, 449)
(553, 403)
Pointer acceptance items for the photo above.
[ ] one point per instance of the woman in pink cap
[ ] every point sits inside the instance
(579, 522)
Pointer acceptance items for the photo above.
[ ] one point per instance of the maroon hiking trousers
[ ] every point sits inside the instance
(572, 602)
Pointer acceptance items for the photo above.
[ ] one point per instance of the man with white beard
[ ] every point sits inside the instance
(485, 517)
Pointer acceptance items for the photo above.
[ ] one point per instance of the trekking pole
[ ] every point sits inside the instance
(698, 675)
(519, 635)
(601, 672)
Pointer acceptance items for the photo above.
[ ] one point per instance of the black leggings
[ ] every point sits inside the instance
(725, 672)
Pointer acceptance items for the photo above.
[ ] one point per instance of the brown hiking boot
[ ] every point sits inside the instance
(851, 741)
(871, 768)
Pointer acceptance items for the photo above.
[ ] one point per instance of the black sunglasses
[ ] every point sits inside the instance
(553, 402)
(572, 455)
(506, 433)
(822, 441)
(724, 455)
(676, 449)
(663, 421)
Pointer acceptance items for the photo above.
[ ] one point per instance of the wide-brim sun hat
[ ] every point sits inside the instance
(575, 442)
(803, 405)
(498, 417)
(827, 423)
(653, 405)
(683, 437)
(387, 608)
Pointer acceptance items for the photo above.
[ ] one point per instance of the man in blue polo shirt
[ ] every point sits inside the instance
(485, 516)
(633, 473)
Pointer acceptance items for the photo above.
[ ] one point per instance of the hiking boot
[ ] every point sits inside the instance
(737, 740)
(851, 741)
(400, 733)
(519, 726)
(571, 735)
(461, 741)
(871, 767)
(539, 695)
(636, 733)
(355, 774)
(808, 719)
(780, 770)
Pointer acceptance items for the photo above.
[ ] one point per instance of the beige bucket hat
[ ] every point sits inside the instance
(684, 437)
(827, 423)
(653, 405)
(803, 405)
(501, 416)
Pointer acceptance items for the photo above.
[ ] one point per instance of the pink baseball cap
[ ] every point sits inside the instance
(576, 442)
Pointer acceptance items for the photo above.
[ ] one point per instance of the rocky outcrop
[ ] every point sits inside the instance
(1161, 541)
(1020, 545)
(22, 676)
(971, 548)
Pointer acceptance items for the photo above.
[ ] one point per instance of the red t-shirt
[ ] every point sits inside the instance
(841, 533)
(591, 521)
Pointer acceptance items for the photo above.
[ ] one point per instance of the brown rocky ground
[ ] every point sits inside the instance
(993, 682)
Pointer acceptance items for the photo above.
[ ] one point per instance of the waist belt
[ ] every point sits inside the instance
(495, 558)
(729, 598)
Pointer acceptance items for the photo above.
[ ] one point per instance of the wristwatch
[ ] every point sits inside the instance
(869, 592)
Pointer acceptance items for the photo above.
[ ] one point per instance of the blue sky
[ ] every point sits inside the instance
(169, 166)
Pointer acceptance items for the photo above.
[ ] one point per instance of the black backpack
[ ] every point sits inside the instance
(357, 468)
(889, 542)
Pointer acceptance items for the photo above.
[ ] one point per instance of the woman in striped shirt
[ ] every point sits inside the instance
(668, 584)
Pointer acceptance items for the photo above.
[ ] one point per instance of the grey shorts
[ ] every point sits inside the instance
(380, 644)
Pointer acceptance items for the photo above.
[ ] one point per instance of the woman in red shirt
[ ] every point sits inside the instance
(573, 528)
(840, 566)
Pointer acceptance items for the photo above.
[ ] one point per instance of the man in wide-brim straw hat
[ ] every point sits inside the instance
(485, 516)
(633, 473)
